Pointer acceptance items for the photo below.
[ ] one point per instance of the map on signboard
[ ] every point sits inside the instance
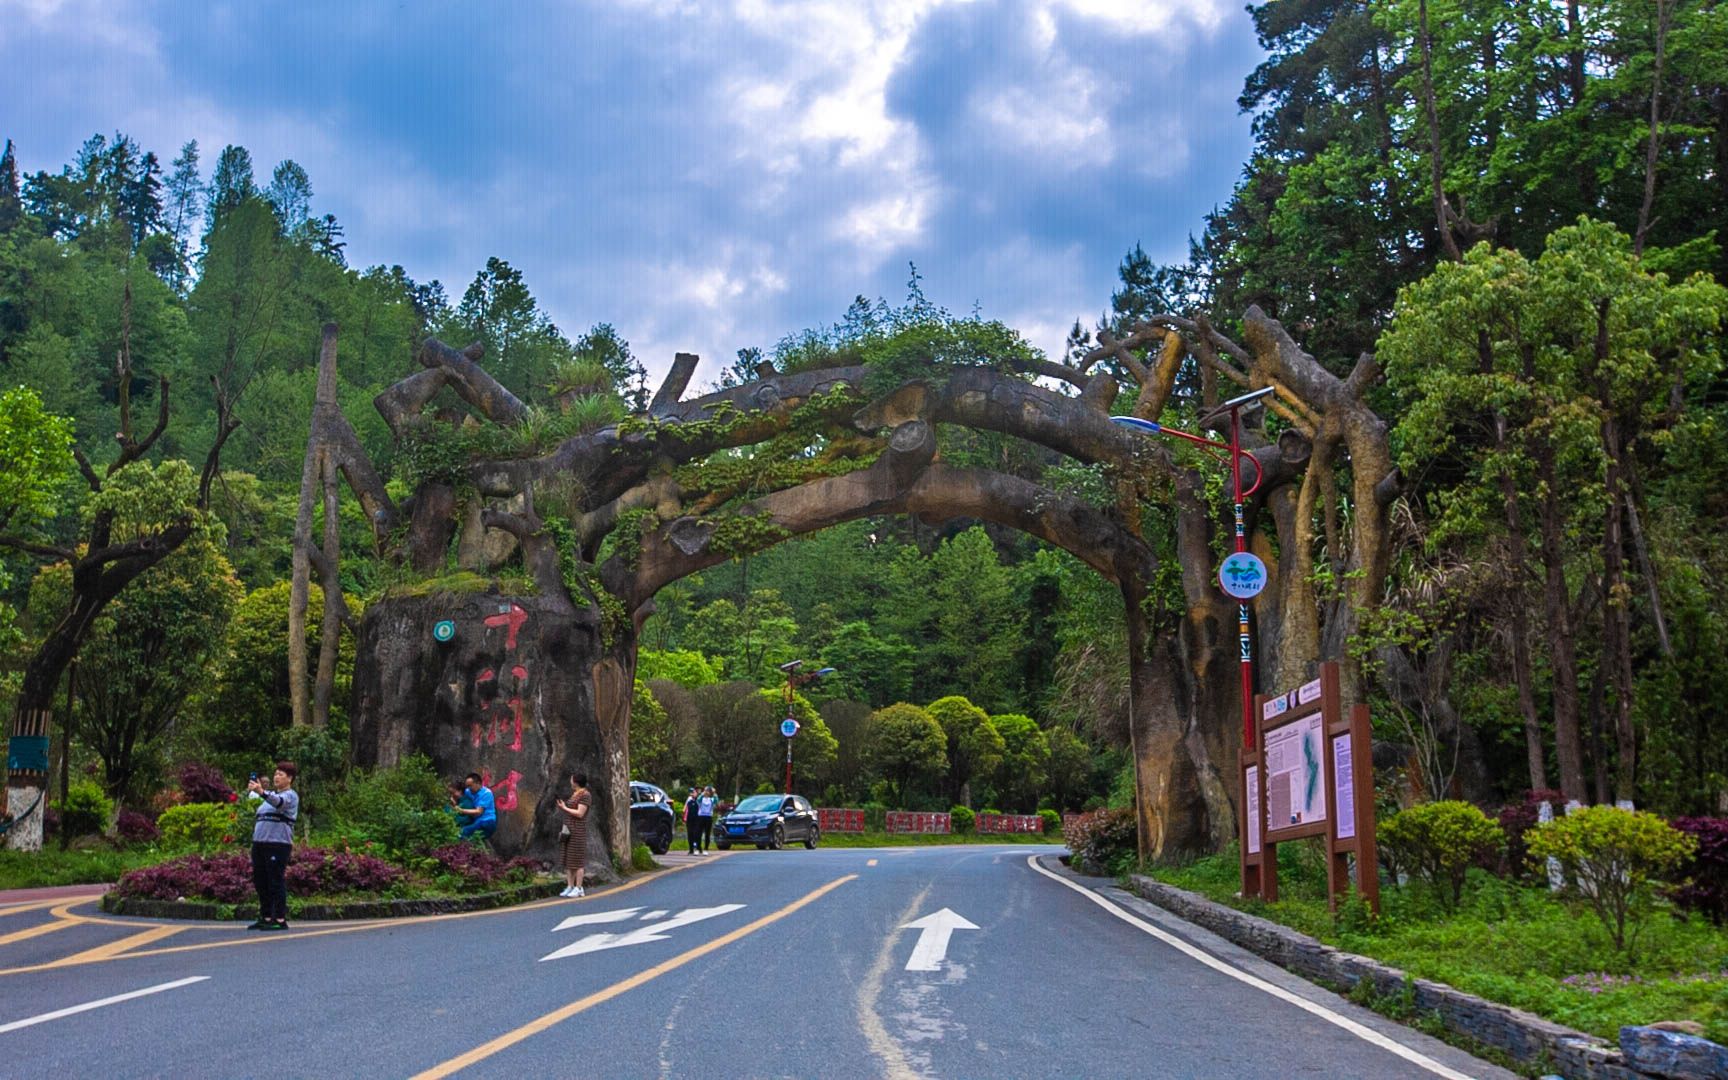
(1295, 774)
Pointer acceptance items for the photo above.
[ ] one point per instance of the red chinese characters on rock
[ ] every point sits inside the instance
(497, 717)
(505, 789)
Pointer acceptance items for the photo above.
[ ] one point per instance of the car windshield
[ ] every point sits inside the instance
(759, 804)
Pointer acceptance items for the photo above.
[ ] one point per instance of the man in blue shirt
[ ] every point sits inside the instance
(479, 806)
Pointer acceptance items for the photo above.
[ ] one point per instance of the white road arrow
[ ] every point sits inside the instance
(932, 945)
(596, 917)
(638, 936)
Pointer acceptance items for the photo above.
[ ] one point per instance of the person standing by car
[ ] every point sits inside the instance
(690, 817)
(273, 844)
(705, 819)
(574, 835)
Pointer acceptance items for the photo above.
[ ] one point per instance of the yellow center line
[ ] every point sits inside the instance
(115, 948)
(559, 1015)
(36, 931)
(69, 919)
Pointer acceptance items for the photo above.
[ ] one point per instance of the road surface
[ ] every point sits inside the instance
(750, 964)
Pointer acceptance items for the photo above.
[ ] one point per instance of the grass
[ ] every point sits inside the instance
(1507, 942)
(51, 866)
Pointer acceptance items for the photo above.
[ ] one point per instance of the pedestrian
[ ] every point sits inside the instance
(273, 844)
(690, 817)
(573, 837)
(479, 806)
(705, 820)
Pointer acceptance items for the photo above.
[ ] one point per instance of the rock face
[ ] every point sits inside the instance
(1673, 1054)
(509, 693)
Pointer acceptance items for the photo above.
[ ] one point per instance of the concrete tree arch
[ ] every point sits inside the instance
(536, 685)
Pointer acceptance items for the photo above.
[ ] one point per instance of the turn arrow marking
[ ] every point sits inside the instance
(638, 936)
(932, 947)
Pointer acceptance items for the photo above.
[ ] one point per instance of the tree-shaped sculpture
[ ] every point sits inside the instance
(604, 511)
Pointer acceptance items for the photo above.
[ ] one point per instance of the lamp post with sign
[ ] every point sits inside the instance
(1242, 575)
(789, 726)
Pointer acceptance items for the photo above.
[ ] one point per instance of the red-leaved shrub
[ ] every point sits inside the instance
(135, 828)
(201, 783)
(478, 866)
(1706, 875)
(1516, 819)
(227, 878)
(1103, 837)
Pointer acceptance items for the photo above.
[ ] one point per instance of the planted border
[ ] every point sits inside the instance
(115, 904)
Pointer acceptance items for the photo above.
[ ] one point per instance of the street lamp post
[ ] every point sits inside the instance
(789, 726)
(1242, 576)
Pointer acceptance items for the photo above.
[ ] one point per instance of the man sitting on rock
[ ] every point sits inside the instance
(479, 806)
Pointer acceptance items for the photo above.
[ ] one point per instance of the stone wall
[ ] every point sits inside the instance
(1526, 1037)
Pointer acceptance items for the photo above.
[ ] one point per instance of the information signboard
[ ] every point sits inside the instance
(1253, 786)
(1344, 781)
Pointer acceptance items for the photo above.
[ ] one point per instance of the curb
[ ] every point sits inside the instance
(114, 904)
(1524, 1036)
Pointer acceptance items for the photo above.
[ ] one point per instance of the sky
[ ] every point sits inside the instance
(706, 176)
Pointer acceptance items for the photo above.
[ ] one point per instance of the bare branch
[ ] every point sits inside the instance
(677, 379)
(50, 551)
(472, 382)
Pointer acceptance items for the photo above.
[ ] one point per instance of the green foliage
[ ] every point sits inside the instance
(85, 810)
(1052, 822)
(651, 734)
(199, 826)
(962, 819)
(35, 457)
(1104, 840)
(975, 747)
(685, 667)
(403, 809)
(1025, 760)
(1612, 857)
(907, 748)
(641, 858)
(1440, 841)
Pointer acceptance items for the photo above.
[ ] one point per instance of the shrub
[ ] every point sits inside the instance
(641, 858)
(1440, 841)
(225, 878)
(1518, 818)
(199, 825)
(201, 783)
(84, 809)
(1706, 874)
(1052, 821)
(962, 818)
(476, 866)
(1610, 856)
(318, 871)
(135, 828)
(1104, 838)
(402, 809)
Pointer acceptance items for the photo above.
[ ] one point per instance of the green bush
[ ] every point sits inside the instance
(641, 858)
(1440, 841)
(962, 818)
(199, 825)
(85, 810)
(1052, 821)
(1610, 857)
(403, 810)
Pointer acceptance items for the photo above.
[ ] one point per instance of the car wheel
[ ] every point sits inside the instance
(778, 840)
(722, 847)
(663, 842)
(811, 840)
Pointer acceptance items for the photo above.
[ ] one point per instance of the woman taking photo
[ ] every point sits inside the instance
(573, 837)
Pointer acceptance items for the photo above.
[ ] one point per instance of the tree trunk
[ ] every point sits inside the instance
(1568, 745)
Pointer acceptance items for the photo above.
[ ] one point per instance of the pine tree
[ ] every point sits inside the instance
(230, 185)
(11, 200)
(290, 192)
(185, 190)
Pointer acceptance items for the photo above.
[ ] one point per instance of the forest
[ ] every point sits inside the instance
(1499, 222)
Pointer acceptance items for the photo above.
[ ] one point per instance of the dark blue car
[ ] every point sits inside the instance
(769, 821)
(652, 819)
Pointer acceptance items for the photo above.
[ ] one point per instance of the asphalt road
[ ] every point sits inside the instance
(752, 964)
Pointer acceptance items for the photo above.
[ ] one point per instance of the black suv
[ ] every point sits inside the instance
(652, 818)
(768, 821)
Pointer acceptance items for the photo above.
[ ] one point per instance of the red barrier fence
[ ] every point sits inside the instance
(1009, 823)
(839, 821)
(905, 821)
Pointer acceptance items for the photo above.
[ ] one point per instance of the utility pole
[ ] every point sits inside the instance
(789, 726)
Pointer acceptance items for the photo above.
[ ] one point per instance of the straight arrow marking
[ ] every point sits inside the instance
(640, 935)
(934, 931)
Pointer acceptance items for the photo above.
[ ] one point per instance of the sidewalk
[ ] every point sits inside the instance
(52, 892)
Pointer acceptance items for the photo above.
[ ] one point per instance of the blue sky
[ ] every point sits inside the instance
(705, 176)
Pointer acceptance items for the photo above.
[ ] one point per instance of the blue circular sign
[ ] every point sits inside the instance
(788, 727)
(1242, 575)
(443, 630)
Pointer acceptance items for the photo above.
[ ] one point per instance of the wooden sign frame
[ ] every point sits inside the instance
(1348, 824)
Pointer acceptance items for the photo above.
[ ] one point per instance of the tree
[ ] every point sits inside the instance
(1069, 767)
(145, 655)
(497, 311)
(11, 197)
(1025, 761)
(290, 195)
(975, 747)
(603, 344)
(653, 742)
(738, 733)
(907, 748)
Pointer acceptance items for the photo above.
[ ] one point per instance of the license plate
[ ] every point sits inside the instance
(736, 830)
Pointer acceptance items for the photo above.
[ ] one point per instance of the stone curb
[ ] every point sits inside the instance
(115, 904)
(1526, 1037)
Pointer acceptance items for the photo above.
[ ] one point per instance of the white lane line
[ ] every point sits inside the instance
(1366, 1034)
(86, 1007)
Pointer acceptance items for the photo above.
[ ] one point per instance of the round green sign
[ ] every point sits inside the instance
(443, 630)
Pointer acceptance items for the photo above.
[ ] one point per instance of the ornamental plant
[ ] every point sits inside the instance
(1706, 873)
(1440, 841)
(135, 828)
(198, 825)
(1612, 857)
(1052, 821)
(1104, 838)
(962, 818)
(85, 809)
(201, 783)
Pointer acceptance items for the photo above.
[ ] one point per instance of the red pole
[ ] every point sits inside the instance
(1243, 641)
